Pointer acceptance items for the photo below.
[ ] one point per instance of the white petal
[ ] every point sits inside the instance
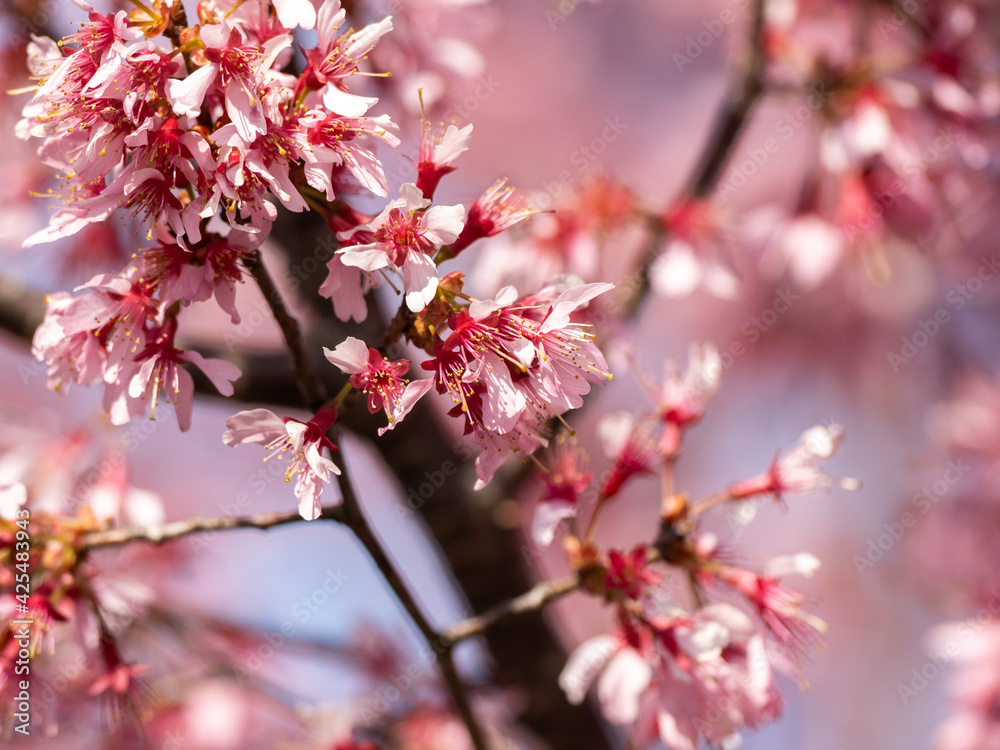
(626, 677)
(677, 272)
(444, 224)
(583, 665)
(803, 564)
(351, 355)
(186, 95)
(614, 431)
(11, 500)
(294, 13)
(420, 280)
(547, 517)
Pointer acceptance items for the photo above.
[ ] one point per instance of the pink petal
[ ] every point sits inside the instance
(187, 95)
(569, 301)
(254, 426)
(411, 394)
(219, 371)
(366, 257)
(453, 143)
(351, 356)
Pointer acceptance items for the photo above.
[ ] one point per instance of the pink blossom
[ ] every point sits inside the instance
(379, 379)
(405, 235)
(80, 357)
(238, 66)
(117, 310)
(156, 370)
(629, 574)
(301, 443)
(510, 364)
(779, 607)
(346, 287)
(336, 57)
(690, 258)
(564, 484)
(797, 471)
(681, 399)
(629, 446)
(437, 154)
(678, 679)
(328, 141)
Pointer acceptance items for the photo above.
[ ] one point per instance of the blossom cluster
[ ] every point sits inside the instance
(199, 133)
(683, 675)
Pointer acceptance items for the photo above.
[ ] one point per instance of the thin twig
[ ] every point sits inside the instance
(530, 601)
(355, 520)
(312, 388)
(157, 535)
(728, 126)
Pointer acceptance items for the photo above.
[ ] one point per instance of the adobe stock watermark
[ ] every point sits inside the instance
(696, 44)
(581, 158)
(757, 325)
(36, 23)
(295, 275)
(461, 111)
(274, 640)
(560, 12)
(435, 480)
(956, 298)
(921, 502)
(967, 630)
(741, 170)
(902, 14)
(384, 697)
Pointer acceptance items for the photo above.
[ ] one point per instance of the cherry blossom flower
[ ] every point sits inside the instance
(509, 365)
(681, 399)
(629, 574)
(116, 309)
(778, 606)
(492, 213)
(238, 66)
(629, 446)
(336, 57)
(564, 484)
(690, 256)
(156, 370)
(678, 678)
(80, 357)
(797, 471)
(327, 141)
(405, 235)
(437, 154)
(379, 379)
(301, 443)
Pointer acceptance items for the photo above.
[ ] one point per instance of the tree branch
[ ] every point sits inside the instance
(170, 531)
(312, 388)
(314, 393)
(355, 520)
(530, 601)
(729, 124)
